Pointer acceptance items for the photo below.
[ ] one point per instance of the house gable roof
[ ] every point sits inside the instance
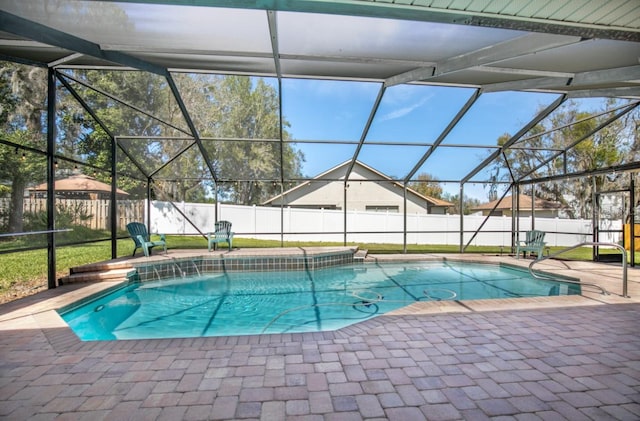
(340, 170)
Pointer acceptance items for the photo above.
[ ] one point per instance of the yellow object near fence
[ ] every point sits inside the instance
(627, 237)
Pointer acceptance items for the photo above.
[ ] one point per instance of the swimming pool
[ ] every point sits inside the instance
(246, 303)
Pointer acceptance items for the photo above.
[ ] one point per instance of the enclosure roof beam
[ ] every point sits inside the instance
(273, 32)
(65, 59)
(131, 158)
(183, 150)
(98, 120)
(581, 79)
(541, 115)
(365, 131)
(192, 126)
(581, 139)
(486, 218)
(467, 106)
(631, 166)
(517, 47)
(20, 60)
(37, 32)
(527, 84)
(431, 13)
(125, 103)
(628, 92)
(620, 74)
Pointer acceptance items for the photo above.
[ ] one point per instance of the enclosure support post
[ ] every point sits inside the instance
(281, 214)
(533, 207)
(515, 220)
(346, 186)
(216, 192)
(404, 241)
(51, 176)
(461, 199)
(148, 210)
(632, 219)
(272, 21)
(594, 218)
(114, 205)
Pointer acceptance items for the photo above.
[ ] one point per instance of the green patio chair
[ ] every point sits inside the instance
(222, 234)
(141, 238)
(534, 242)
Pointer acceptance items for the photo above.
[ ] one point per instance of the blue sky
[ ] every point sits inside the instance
(338, 110)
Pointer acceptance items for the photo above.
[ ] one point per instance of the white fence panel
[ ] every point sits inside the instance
(369, 227)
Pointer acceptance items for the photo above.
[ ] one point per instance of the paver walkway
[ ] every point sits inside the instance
(564, 363)
(579, 362)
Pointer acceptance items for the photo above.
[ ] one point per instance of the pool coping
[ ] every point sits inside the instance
(39, 311)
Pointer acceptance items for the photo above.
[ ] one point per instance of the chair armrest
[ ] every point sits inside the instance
(141, 239)
(163, 237)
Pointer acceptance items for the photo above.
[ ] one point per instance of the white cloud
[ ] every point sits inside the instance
(404, 110)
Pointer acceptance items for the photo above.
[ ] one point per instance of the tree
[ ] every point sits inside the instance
(612, 145)
(141, 96)
(24, 89)
(139, 104)
(427, 185)
(247, 108)
(468, 203)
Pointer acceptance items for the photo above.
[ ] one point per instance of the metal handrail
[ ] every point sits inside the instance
(588, 243)
(18, 234)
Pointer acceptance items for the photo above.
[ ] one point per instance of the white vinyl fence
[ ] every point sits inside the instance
(366, 227)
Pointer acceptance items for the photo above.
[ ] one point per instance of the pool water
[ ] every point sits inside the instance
(245, 303)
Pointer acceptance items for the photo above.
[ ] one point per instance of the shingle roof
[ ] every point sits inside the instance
(525, 203)
(79, 182)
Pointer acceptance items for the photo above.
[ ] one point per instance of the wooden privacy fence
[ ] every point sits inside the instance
(94, 214)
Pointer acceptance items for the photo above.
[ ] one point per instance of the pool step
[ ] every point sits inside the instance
(360, 255)
(96, 274)
(103, 266)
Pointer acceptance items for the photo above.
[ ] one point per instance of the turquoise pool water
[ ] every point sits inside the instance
(245, 303)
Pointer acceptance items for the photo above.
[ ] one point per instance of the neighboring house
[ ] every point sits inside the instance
(368, 190)
(543, 208)
(78, 186)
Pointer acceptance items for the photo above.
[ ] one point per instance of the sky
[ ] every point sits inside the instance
(338, 110)
(410, 114)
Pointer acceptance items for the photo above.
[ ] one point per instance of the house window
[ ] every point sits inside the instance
(383, 209)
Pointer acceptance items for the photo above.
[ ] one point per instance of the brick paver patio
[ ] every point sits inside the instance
(563, 363)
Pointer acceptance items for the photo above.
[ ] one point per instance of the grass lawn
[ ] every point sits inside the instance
(24, 273)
